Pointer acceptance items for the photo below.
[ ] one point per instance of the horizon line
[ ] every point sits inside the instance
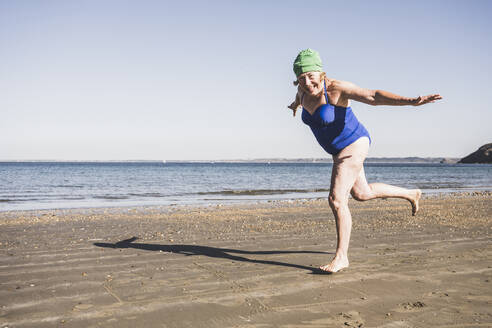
(222, 160)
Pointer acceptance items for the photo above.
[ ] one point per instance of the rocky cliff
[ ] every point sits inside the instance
(482, 155)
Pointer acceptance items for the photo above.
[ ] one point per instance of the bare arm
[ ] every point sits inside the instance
(295, 105)
(297, 102)
(380, 97)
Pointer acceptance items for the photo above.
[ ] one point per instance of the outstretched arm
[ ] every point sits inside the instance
(380, 97)
(295, 105)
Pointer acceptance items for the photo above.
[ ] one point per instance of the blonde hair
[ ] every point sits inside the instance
(323, 75)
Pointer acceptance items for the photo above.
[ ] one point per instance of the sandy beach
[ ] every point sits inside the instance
(250, 265)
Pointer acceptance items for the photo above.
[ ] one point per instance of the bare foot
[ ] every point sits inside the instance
(338, 263)
(415, 200)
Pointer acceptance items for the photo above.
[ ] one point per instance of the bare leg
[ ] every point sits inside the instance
(363, 191)
(346, 167)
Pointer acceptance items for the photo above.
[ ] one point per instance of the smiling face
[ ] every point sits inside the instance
(311, 82)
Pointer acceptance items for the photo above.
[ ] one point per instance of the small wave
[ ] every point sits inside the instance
(262, 192)
(111, 197)
(67, 186)
(147, 194)
(12, 200)
(444, 185)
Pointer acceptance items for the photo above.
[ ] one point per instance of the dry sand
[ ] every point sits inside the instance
(248, 266)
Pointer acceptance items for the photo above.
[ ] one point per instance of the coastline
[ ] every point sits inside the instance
(85, 185)
(249, 265)
(390, 160)
(272, 197)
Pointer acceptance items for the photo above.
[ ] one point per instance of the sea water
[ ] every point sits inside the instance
(46, 185)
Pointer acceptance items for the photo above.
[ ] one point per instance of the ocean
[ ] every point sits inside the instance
(49, 185)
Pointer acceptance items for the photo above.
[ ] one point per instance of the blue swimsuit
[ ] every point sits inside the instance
(334, 127)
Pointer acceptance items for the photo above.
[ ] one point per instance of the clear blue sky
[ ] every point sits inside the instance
(102, 80)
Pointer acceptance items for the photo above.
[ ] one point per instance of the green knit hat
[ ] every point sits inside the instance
(307, 61)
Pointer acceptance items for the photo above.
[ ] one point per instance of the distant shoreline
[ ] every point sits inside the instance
(446, 160)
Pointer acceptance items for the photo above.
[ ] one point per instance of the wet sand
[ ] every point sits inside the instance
(250, 265)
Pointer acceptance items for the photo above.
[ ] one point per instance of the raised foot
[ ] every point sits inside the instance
(337, 264)
(417, 193)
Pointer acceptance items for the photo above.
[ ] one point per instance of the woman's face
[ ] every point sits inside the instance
(311, 82)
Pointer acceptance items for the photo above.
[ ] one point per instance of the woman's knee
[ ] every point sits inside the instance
(336, 202)
(361, 195)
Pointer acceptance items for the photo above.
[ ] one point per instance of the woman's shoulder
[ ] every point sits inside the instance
(335, 85)
(335, 90)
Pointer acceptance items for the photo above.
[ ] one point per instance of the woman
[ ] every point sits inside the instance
(326, 109)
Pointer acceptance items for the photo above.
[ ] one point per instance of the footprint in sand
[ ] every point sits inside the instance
(351, 319)
(81, 307)
(343, 319)
(410, 306)
(397, 324)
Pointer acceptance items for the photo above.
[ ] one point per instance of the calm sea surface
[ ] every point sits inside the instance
(44, 185)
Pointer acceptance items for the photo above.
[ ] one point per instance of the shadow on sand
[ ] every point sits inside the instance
(189, 250)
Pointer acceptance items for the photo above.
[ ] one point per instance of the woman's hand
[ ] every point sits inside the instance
(294, 107)
(421, 100)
